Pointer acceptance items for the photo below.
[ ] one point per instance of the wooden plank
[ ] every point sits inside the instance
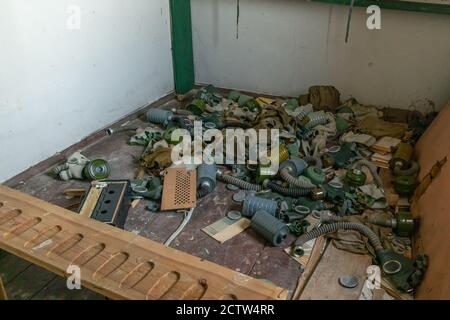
(222, 230)
(90, 202)
(3, 295)
(313, 261)
(113, 262)
(57, 290)
(12, 271)
(12, 266)
(29, 283)
(433, 209)
(74, 192)
(324, 285)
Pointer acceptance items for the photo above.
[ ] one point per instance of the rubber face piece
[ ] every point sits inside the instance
(297, 166)
(316, 175)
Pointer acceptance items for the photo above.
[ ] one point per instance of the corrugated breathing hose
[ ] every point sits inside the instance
(413, 169)
(303, 114)
(372, 168)
(314, 161)
(333, 227)
(290, 192)
(316, 118)
(239, 183)
(202, 192)
(285, 174)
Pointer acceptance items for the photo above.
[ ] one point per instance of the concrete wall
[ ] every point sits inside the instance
(286, 46)
(59, 85)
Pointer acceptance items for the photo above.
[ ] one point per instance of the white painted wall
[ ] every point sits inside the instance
(58, 86)
(285, 46)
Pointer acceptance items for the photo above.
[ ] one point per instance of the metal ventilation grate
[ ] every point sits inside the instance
(179, 190)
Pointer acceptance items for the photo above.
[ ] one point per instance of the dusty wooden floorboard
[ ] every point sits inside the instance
(196, 242)
(12, 271)
(274, 261)
(57, 290)
(29, 283)
(335, 263)
(320, 245)
(11, 267)
(246, 253)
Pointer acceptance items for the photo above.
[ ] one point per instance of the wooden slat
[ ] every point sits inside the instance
(90, 202)
(113, 262)
(29, 283)
(313, 261)
(324, 282)
(11, 267)
(3, 295)
(57, 290)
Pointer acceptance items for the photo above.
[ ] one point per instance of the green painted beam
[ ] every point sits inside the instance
(182, 51)
(396, 5)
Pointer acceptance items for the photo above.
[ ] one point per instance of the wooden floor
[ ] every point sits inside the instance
(246, 253)
(25, 281)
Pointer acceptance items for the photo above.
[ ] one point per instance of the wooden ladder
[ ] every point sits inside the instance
(113, 262)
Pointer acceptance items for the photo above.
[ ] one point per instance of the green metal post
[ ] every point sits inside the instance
(182, 51)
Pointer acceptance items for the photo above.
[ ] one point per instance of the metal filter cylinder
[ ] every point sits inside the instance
(253, 204)
(269, 227)
(402, 155)
(355, 178)
(405, 185)
(295, 166)
(283, 154)
(159, 116)
(206, 177)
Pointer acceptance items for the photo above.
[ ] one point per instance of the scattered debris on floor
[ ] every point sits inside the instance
(80, 167)
(329, 182)
(107, 201)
